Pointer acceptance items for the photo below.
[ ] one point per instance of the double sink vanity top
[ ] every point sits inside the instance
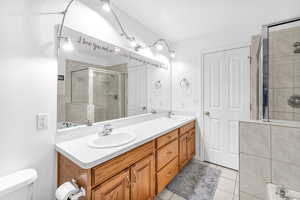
(85, 151)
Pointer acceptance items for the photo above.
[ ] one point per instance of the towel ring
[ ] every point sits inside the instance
(158, 84)
(184, 83)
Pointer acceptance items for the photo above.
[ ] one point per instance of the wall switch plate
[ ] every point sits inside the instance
(42, 121)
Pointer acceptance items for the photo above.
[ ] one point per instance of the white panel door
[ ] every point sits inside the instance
(226, 101)
(137, 90)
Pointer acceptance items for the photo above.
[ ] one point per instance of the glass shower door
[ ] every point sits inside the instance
(107, 95)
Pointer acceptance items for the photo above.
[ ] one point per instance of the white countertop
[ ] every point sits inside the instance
(86, 157)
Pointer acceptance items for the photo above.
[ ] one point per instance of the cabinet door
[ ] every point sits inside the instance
(116, 188)
(143, 179)
(191, 144)
(183, 150)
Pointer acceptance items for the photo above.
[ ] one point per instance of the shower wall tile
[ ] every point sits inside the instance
(297, 116)
(297, 72)
(61, 108)
(283, 166)
(286, 144)
(286, 174)
(271, 99)
(255, 139)
(280, 100)
(60, 88)
(281, 115)
(245, 196)
(282, 72)
(280, 43)
(255, 173)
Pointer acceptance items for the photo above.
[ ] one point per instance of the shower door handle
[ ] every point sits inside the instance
(144, 108)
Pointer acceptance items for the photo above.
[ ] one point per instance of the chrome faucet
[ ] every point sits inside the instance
(107, 130)
(170, 114)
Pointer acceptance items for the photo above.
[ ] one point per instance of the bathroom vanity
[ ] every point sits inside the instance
(137, 171)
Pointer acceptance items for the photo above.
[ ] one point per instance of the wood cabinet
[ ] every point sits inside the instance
(143, 179)
(191, 144)
(186, 144)
(165, 175)
(183, 150)
(116, 188)
(167, 153)
(138, 174)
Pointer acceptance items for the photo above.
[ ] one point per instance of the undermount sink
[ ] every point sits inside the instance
(113, 140)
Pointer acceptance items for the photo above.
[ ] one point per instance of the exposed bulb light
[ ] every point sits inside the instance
(68, 45)
(159, 47)
(117, 49)
(133, 43)
(106, 6)
(172, 54)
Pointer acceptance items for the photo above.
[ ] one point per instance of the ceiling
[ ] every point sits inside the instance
(179, 20)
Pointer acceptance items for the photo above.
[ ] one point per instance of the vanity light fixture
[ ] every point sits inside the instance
(106, 5)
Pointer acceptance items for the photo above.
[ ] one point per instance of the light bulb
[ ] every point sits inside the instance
(133, 43)
(106, 6)
(159, 47)
(68, 45)
(172, 54)
(117, 49)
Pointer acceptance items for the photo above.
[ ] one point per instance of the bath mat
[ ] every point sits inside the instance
(196, 181)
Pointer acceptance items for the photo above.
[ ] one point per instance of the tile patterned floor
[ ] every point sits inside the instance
(228, 186)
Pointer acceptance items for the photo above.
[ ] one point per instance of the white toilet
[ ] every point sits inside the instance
(18, 186)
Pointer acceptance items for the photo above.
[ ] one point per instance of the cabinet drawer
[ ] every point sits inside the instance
(186, 128)
(118, 187)
(165, 139)
(112, 167)
(167, 174)
(166, 154)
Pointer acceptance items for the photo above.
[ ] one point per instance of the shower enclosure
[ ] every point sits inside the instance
(96, 95)
(280, 71)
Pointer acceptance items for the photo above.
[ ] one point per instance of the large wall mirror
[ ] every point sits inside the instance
(98, 81)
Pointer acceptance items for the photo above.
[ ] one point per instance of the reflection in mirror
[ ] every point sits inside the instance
(98, 81)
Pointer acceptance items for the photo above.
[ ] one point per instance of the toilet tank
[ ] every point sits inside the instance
(18, 186)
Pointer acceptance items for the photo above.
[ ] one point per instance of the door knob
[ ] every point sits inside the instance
(206, 113)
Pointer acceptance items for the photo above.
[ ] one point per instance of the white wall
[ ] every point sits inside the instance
(189, 58)
(28, 80)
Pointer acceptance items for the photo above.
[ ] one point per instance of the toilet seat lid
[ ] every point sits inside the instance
(17, 180)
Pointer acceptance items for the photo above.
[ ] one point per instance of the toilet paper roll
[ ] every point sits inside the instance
(64, 191)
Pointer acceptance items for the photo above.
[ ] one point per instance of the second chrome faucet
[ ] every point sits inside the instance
(107, 130)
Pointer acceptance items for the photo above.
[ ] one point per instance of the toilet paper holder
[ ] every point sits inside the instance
(76, 192)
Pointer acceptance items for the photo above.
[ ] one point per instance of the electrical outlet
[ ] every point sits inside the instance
(42, 121)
